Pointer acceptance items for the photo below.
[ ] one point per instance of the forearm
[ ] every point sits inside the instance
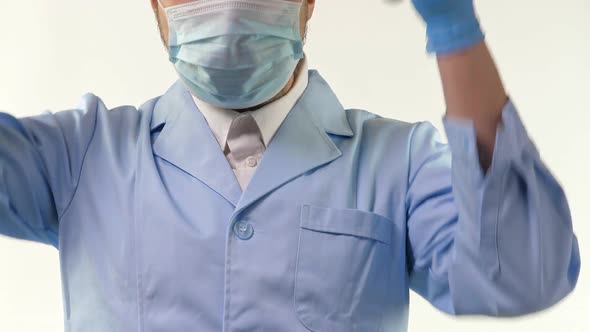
(473, 90)
(502, 245)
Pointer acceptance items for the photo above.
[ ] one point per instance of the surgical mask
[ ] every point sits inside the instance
(235, 54)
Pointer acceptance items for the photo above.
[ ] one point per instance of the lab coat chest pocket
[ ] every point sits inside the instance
(344, 264)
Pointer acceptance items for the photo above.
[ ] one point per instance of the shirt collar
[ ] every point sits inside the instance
(269, 117)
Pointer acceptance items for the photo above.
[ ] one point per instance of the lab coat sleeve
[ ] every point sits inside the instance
(40, 162)
(497, 244)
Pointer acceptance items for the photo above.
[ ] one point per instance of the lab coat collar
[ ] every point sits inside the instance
(323, 105)
(300, 144)
(331, 117)
(187, 142)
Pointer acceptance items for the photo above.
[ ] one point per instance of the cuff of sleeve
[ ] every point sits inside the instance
(512, 141)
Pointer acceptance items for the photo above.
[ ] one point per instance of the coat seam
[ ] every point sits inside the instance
(75, 190)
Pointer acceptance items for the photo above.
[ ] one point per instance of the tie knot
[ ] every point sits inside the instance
(244, 141)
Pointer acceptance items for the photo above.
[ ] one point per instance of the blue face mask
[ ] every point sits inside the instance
(235, 54)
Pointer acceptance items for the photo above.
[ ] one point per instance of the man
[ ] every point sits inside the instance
(246, 198)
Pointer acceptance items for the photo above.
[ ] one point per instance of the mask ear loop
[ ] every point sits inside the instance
(170, 31)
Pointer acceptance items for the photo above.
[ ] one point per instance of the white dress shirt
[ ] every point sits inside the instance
(269, 118)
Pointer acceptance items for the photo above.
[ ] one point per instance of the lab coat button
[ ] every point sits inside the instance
(243, 230)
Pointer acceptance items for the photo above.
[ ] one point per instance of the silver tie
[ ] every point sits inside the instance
(244, 141)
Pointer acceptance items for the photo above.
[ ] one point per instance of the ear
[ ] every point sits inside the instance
(310, 8)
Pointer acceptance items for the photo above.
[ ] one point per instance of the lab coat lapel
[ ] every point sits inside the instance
(301, 143)
(187, 142)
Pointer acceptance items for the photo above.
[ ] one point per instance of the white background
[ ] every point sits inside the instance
(51, 52)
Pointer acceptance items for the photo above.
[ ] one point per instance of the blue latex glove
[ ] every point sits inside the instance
(451, 25)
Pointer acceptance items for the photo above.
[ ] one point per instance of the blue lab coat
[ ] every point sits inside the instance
(345, 214)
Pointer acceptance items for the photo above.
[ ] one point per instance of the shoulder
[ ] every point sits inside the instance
(106, 123)
(391, 141)
(92, 122)
(120, 117)
(368, 126)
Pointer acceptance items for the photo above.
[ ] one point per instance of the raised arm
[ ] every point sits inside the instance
(489, 227)
(500, 244)
(40, 161)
